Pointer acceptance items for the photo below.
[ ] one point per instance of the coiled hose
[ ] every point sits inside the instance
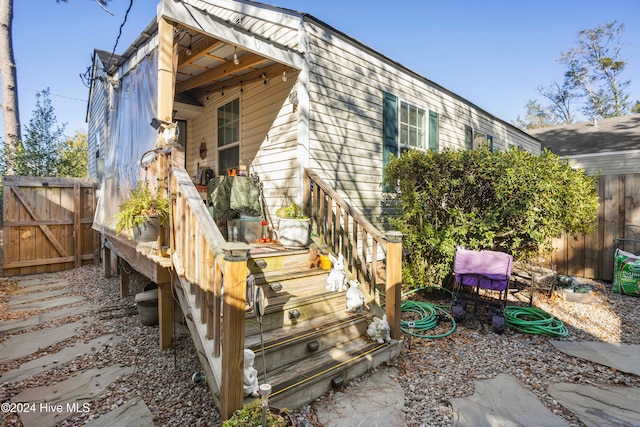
(428, 316)
(533, 320)
(529, 320)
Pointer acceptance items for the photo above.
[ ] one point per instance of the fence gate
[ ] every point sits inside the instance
(47, 224)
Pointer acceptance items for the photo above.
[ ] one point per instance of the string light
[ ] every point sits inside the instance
(236, 61)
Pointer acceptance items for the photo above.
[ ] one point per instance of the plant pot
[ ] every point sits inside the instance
(148, 231)
(294, 233)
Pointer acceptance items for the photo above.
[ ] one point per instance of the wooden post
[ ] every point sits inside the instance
(124, 282)
(165, 314)
(233, 311)
(77, 225)
(394, 281)
(106, 261)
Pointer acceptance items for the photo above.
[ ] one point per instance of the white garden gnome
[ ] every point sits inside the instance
(337, 279)
(379, 330)
(355, 297)
(250, 374)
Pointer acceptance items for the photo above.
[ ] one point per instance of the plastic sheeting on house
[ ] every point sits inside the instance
(133, 106)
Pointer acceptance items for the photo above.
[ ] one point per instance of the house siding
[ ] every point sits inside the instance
(97, 117)
(346, 88)
(618, 163)
(268, 136)
(264, 21)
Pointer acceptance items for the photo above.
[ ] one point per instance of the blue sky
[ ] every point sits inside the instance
(494, 53)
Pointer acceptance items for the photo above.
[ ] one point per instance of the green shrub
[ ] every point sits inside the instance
(512, 201)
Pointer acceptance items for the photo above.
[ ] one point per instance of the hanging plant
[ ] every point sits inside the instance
(141, 207)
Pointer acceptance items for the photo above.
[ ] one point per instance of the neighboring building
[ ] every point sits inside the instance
(608, 146)
(277, 91)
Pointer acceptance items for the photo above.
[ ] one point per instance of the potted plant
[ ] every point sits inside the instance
(251, 415)
(293, 227)
(143, 213)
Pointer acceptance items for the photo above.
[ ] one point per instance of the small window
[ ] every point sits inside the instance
(468, 138)
(412, 126)
(228, 136)
(479, 140)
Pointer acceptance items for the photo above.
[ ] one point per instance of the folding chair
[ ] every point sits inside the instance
(479, 276)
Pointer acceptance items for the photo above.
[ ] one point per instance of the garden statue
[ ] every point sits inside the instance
(355, 297)
(379, 330)
(337, 279)
(250, 374)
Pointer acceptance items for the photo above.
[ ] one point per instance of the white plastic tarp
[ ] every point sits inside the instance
(134, 105)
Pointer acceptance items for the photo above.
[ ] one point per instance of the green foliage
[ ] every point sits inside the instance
(44, 149)
(142, 205)
(251, 415)
(510, 201)
(72, 159)
(37, 153)
(292, 211)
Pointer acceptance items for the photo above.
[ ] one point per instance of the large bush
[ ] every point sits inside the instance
(511, 201)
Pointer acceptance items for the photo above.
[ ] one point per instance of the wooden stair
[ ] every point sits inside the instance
(311, 343)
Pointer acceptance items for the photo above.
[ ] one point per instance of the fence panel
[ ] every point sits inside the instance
(47, 224)
(591, 255)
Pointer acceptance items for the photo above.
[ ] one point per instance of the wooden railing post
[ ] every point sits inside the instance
(233, 311)
(394, 282)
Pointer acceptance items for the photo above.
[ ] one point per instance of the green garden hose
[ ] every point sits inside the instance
(532, 320)
(429, 315)
(529, 320)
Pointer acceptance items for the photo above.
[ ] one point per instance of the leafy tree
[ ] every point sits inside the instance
(594, 67)
(536, 117)
(511, 201)
(560, 98)
(72, 161)
(592, 79)
(43, 141)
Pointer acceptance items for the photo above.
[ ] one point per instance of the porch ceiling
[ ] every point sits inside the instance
(206, 65)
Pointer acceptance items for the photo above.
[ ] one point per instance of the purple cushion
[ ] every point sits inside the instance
(487, 269)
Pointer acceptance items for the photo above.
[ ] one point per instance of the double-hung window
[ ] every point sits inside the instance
(413, 127)
(406, 126)
(228, 136)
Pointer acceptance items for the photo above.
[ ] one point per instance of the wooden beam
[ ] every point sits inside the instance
(198, 50)
(165, 70)
(248, 61)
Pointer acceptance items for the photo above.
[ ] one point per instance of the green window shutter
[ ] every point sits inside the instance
(389, 130)
(434, 131)
(468, 138)
(490, 142)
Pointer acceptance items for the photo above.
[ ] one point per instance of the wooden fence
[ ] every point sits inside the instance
(47, 224)
(591, 255)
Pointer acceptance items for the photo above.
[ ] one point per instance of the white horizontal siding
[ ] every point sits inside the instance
(347, 82)
(262, 20)
(608, 163)
(268, 136)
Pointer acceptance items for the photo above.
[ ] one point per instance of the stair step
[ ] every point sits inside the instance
(284, 346)
(277, 313)
(269, 258)
(304, 380)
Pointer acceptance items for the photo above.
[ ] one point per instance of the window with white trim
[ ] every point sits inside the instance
(228, 136)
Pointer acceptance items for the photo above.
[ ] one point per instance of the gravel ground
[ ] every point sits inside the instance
(430, 371)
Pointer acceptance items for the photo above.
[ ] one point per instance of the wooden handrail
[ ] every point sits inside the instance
(207, 262)
(344, 230)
